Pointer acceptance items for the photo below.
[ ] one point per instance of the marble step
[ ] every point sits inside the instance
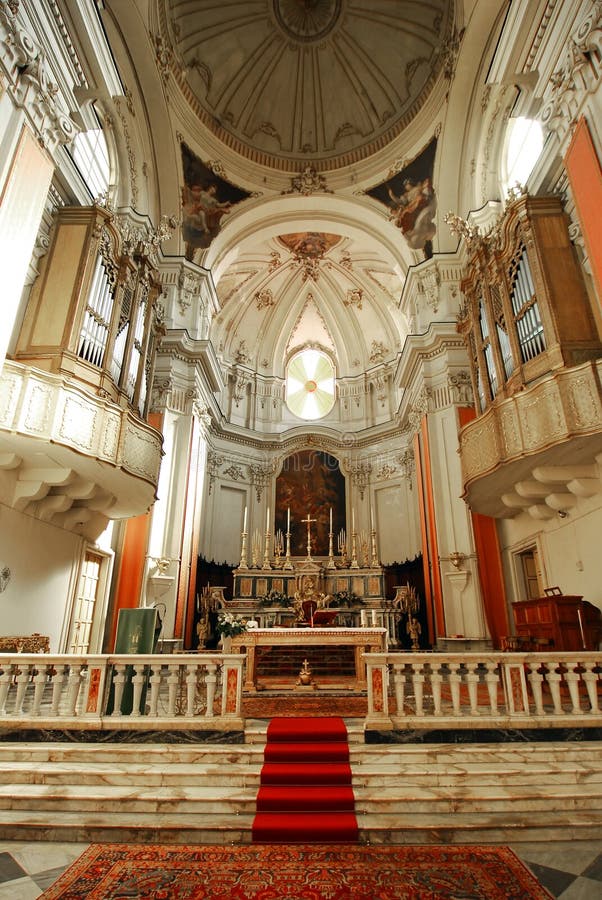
(145, 774)
(189, 800)
(495, 828)
(205, 800)
(504, 827)
(479, 752)
(184, 754)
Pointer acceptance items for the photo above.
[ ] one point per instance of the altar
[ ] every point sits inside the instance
(361, 640)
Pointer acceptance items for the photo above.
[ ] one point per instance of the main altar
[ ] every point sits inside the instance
(275, 590)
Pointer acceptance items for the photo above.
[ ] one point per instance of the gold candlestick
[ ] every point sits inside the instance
(243, 551)
(266, 552)
(375, 563)
(354, 562)
(331, 563)
(288, 564)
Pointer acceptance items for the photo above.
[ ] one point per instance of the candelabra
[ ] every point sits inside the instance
(342, 547)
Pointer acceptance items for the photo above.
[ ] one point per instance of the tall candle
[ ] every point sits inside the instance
(244, 524)
(331, 519)
(352, 521)
(372, 519)
(267, 520)
(288, 519)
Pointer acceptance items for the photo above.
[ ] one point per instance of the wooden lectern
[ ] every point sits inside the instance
(564, 621)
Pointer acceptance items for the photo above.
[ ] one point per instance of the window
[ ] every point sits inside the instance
(91, 157)
(524, 143)
(310, 390)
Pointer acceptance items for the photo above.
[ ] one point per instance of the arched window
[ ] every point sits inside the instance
(90, 155)
(310, 390)
(524, 143)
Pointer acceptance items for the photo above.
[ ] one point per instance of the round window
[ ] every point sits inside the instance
(310, 384)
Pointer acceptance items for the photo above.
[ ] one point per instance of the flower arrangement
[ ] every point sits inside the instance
(229, 625)
(275, 598)
(345, 598)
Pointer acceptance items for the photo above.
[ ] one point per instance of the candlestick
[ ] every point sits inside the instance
(331, 563)
(266, 552)
(288, 519)
(243, 564)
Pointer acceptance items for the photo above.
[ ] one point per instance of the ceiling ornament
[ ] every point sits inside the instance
(345, 261)
(354, 297)
(308, 182)
(308, 249)
(307, 22)
(241, 354)
(378, 352)
(264, 298)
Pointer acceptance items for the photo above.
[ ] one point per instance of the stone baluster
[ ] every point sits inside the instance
(21, 679)
(554, 678)
(39, 682)
(472, 682)
(155, 684)
(57, 689)
(5, 680)
(173, 682)
(535, 679)
(436, 682)
(118, 684)
(399, 684)
(454, 683)
(73, 686)
(418, 684)
(191, 688)
(137, 684)
(211, 682)
(492, 679)
(572, 679)
(590, 678)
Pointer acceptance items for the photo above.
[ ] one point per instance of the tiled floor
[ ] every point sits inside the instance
(570, 870)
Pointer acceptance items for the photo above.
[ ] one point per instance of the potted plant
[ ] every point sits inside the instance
(275, 598)
(228, 626)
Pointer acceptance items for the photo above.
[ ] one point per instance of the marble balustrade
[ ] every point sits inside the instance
(496, 689)
(121, 691)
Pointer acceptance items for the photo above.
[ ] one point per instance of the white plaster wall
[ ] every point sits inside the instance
(44, 562)
(227, 524)
(571, 549)
(398, 534)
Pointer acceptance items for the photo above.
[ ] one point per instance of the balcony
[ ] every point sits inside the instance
(539, 450)
(69, 457)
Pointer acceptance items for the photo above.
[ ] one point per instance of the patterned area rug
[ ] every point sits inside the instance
(280, 872)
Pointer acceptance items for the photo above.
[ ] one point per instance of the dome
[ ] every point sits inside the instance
(297, 82)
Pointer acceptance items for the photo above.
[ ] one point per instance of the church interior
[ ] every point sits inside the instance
(307, 414)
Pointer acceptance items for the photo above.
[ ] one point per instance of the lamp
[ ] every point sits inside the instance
(456, 559)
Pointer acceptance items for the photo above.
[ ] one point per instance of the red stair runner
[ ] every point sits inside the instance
(305, 795)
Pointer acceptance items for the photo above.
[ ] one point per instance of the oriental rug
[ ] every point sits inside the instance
(280, 872)
(305, 793)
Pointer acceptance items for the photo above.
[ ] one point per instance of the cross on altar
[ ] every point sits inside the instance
(308, 520)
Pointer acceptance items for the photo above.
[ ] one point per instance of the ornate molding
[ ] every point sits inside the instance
(261, 476)
(308, 182)
(577, 76)
(359, 472)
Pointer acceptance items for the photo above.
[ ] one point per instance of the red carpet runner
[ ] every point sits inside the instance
(305, 795)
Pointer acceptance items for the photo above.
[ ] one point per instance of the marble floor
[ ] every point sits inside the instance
(570, 870)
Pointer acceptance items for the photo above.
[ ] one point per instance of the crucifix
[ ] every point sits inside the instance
(308, 520)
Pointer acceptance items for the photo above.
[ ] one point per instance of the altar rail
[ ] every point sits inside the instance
(143, 692)
(526, 690)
